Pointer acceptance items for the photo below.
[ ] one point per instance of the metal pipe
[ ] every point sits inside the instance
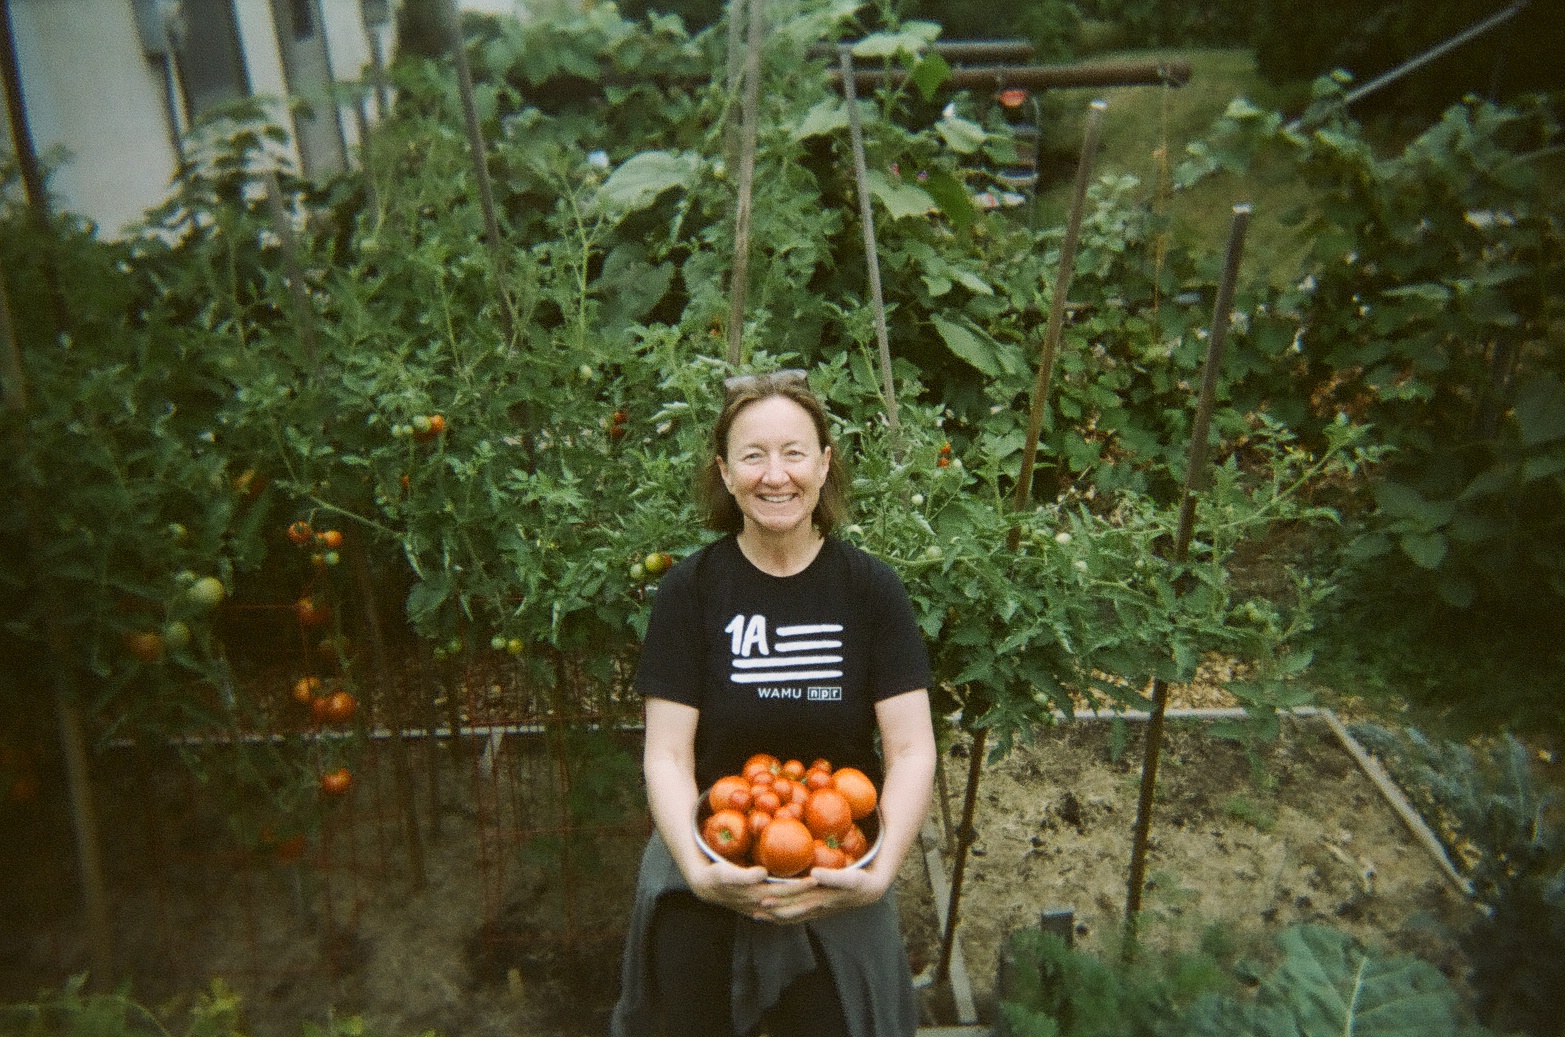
(1141, 72)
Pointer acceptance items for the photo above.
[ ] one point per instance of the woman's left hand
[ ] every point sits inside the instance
(827, 891)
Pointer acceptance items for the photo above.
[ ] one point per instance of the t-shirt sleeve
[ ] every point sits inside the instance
(901, 659)
(671, 661)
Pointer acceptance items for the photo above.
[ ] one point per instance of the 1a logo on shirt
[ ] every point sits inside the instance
(789, 662)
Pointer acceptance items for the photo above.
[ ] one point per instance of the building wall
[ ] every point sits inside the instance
(96, 103)
(95, 106)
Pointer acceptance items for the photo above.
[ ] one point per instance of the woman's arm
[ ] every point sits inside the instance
(669, 763)
(907, 741)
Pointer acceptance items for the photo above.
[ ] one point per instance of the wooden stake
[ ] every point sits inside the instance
(1055, 327)
(867, 218)
(740, 278)
(1195, 477)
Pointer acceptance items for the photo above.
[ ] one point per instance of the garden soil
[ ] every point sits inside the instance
(1244, 840)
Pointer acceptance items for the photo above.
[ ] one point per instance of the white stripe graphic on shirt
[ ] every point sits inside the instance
(790, 666)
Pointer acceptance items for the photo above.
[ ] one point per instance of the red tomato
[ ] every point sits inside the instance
(340, 706)
(761, 761)
(828, 814)
(816, 778)
(859, 790)
(335, 783)
(758, 820)
(794, 769)
(793, 810)
(320, 709)
(855, 844)
(304, 689)
(144, 645)
(727, 832)
(290, 849)
(720, 798)
(829, 856)
(300, 532)
(310, 612)
(767, 802)
(331, 538)
(786, 847)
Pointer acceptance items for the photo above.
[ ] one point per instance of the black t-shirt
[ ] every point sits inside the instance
(791, 666)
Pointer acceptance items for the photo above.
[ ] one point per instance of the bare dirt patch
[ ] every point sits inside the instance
(499, 941)
(1248, 840)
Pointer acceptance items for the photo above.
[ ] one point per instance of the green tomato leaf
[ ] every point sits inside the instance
(913, 38)
(1427, 550)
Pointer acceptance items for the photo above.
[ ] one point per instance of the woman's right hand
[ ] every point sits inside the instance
(728, 885)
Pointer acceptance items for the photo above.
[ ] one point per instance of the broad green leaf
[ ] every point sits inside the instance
(962, 136)
(1332, 987)
(1540, 410)
(900, 199)
(952, 197)
(639, 180)
(913, 38)
(929, 74)
(1427, 550)
(977, 349)
(824, 117)
(1399, 500)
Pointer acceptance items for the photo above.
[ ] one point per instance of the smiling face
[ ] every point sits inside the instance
(775, 466)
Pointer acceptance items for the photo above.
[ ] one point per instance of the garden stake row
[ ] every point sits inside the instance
(965, 831)
(740, 278)
(1195, 478)
(867, 218)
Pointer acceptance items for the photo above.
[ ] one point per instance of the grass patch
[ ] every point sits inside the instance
(1145, 132)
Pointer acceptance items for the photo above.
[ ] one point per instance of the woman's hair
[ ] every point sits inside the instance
(717, 506)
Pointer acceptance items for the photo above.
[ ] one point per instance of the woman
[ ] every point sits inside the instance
(777, 638)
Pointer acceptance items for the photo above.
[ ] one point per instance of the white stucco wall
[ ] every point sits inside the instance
(95, 101)
(96, 105)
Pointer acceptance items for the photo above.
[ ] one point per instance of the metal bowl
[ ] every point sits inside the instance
(870, 825)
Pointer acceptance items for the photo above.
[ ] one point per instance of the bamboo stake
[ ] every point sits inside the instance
(736, 62)
(1194, 479)
(739, 282)
(476, 145)
(1054, 329)
(965, 836)
(871, 253)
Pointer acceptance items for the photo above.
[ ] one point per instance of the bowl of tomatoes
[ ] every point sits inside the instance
(789, 817)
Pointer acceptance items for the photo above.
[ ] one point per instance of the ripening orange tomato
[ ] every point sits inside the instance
(786, 847)
(859, 790)
(828, 814)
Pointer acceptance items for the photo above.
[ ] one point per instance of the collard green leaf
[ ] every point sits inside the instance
(1332, 986)
(639, 180)
(900, 199)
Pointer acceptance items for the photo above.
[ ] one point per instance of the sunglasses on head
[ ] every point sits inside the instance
(742, 382)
